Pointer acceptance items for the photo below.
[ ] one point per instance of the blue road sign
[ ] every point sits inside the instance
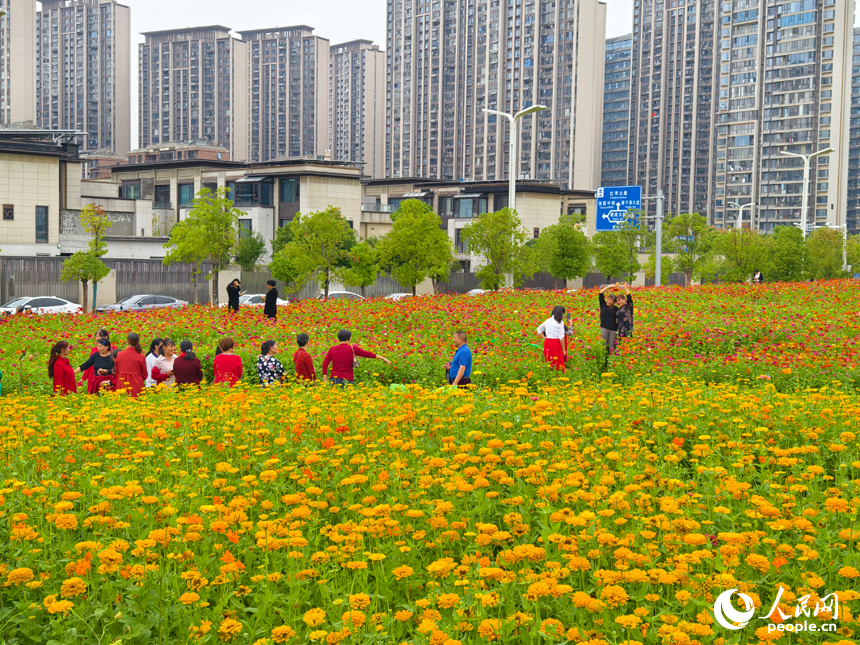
(613, 204)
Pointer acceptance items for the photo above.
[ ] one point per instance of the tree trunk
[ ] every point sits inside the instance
(326, 283)
(84, 283)
(363, 288)
(95, 295)
(213, 299)
(414, 290)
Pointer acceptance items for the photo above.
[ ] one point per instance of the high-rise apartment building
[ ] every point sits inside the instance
(720, 89)
(853, 205)
(83, 71)
(193, 85)
(450, 59)
(617, 72)
(357, 105)
(784, 85)
(289, 98)
(17, 61)
(671, 121)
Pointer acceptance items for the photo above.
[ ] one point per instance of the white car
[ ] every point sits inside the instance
(255, 300)
(476, 292)
(340, 295)
(398, 296)
(41, 305)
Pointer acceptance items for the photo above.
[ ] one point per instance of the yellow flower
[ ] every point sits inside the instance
(228, 629)
(60, 607)
(448, 600)
(189, 598)
(359, 601)
(17, 576)
(73, 587)
(354, 619)
(282, 634)
(403, 572)
(314, 617)
(490, 629)
(614, 595)
(849, 572)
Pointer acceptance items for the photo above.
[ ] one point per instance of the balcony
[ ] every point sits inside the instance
(162, 206)
(378, 208)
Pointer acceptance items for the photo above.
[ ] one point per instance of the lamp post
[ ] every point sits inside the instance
(741, 212)
(513, 165)
(804, 206)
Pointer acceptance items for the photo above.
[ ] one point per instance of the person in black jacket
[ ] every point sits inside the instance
(234, 290)
(270, 310)
(608, 321)
(102, 363)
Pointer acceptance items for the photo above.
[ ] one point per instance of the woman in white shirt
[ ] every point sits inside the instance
(154, 352)
(554, 341)
(162, 370)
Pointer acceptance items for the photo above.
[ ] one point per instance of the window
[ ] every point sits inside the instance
(289, 190)
(42, 224)
(244, 229)
(536, 232)
(186, 194)
(162, 197)
(460, 243)
(231, 191)
(130, 189)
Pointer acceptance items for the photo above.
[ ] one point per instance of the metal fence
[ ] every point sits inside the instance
(21, 277)
(184, 281)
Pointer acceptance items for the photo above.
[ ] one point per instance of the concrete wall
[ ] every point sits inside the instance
(98, 190)
(318, 193)
(27, 182)
(262, 222)
(21, 21)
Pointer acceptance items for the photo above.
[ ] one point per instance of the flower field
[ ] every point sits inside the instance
(610, 506)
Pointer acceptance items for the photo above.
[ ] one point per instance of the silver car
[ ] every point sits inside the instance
(141, 303)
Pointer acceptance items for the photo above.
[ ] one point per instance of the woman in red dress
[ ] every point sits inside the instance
(60, 370)
(554, 339)
(131, 367)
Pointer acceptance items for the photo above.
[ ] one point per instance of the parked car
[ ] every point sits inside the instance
(139, 303)
(340, 295)
(398, 296)
(476, 292)
(41, 305)
(254, 300)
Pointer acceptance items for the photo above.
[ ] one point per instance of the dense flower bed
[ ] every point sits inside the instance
(794, 335)
(530, 513)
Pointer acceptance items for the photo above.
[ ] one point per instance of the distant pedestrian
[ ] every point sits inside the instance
(60, 370)
(234, 290)
(131, 367)
(227, 366)
(305, 370)
(758, 278)
(270, 310)
(155, 350)
(608, 320)
(186, 367)
(624, 314)
(343, 359)
(162, 370)
(101, 365)
(554, 339)
(269, 368)
(459, 369)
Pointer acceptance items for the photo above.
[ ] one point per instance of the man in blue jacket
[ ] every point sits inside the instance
(459, 370)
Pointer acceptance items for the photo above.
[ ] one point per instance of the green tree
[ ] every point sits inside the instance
(363, 268)
(616, 253)
(319, 246)
(650, 268)
(562, 249)
(500, 238)
(84, 267)
(283, 236)
(95, 221)
(741, 252)
(690, 238)
(824, 254)
(249, 250)
(208, 234)
(787, 257)
(853, 253)
(416, 247)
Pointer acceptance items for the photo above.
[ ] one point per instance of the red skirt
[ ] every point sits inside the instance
(553, 353)
(94, 385)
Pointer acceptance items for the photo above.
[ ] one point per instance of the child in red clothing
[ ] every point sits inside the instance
(305, 370)
(227, 366)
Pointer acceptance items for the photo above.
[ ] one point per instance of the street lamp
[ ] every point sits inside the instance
(741, 212)
(514, 166)
(804, 206)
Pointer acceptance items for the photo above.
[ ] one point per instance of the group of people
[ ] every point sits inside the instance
(109, 368)
(616, 321)
(270, 306)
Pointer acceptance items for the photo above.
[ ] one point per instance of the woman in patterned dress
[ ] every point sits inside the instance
(269, 368)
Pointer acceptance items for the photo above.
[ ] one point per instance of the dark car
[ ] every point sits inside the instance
(139, 303)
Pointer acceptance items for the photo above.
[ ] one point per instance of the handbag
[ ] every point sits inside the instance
(354, 359)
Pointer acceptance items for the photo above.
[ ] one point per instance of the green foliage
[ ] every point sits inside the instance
(690, 239)
(563, 250)
(500, 238)
(319, 246)
(616, 253)
(650, 268)
(742, 252)
(787, 258)
(283, 236)
(824, 254)
(249, 250)
(416, 248)
(208, 234)
(95, 221)
(85, 267)
(363, 267)
(853, 253)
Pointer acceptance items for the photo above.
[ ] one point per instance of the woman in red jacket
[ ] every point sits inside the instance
(131, 367)
(342, 358)
(60, 370)
(227, 367)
